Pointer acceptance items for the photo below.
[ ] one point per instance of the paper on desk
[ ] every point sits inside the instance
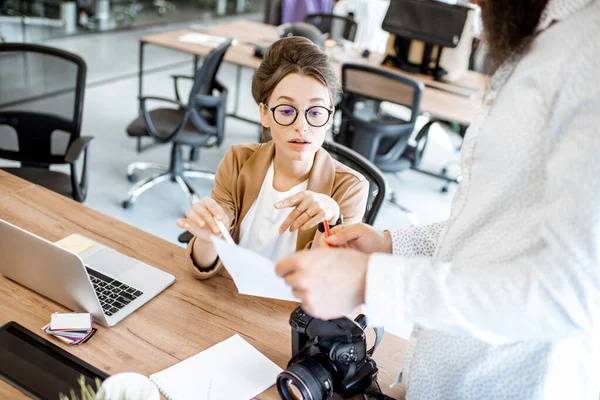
(252, 273)
(75, 243)
(202, 39)
(232, 369)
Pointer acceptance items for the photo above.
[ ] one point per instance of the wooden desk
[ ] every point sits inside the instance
(10, 184)
(458, 102)
(187, 318)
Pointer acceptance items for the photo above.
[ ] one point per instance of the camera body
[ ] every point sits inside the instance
(327, 357)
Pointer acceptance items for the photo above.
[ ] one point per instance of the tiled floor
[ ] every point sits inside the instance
(110, 104)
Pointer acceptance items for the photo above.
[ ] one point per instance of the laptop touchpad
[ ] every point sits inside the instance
(110, 262)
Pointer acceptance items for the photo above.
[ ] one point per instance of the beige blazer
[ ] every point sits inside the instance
(240, 175)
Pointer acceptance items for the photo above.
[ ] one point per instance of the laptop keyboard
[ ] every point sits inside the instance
(113, 295)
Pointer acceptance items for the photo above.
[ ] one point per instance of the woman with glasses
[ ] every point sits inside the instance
(273, 195)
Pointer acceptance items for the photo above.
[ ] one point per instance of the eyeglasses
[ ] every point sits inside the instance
(286, 115)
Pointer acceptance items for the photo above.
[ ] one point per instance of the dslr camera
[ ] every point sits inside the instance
(327, 357)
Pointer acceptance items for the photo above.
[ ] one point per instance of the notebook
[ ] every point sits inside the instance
(230, 370)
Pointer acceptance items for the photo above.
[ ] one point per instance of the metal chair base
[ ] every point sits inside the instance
(164, 174)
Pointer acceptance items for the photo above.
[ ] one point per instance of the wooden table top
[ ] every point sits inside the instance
(457, 101)
(188, 317)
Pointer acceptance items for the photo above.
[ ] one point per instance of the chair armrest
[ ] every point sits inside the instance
(175, 85)
(150, 125)
(213, 101)
(220, 87)
(185, 237)
(421, 141)
(182, 77)
(77, 147)
(208, 101)
(165, 99)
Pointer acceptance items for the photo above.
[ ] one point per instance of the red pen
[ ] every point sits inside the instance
(327, 231)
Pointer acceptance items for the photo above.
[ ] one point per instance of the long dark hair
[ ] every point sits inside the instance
(508, 25)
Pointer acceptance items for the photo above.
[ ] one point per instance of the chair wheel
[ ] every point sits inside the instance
(444, 189)
(444, 170)
(132, 178)
(126, 204)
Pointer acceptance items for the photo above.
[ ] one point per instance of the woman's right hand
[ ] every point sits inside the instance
(361, 237)
(201, 219)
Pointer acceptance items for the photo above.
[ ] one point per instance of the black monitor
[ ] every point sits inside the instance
(434, 22)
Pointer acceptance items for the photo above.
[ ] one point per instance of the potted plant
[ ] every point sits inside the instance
(122, 386)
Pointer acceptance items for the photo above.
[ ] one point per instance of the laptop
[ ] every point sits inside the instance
(100, 280)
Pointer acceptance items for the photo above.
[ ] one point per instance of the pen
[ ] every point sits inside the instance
(327, 231)
(225, 232)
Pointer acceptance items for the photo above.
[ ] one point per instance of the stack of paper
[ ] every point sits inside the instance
(71, 328)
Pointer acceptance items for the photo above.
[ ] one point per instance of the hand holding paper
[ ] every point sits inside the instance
(252, 273)
(203, 218)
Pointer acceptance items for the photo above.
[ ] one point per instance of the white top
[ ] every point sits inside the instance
(259, 230)
(506, 293)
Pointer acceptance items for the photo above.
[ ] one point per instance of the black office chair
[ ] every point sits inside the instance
(50, 134)
(377, 182)
(303, 29)
(200, 123)
(378, 185)
(337, 26)
(379, 137)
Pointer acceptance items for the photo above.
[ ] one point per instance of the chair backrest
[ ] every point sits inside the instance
(43, 126)
(363, 129)
(302, 29)
(377, 181)
(205, 82)
(338, 26)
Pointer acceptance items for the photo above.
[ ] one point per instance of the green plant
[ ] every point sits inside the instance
(87, 392)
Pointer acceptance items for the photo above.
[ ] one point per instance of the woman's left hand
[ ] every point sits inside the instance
(310, 208)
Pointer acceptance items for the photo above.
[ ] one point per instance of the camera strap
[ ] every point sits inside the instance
(378, 337)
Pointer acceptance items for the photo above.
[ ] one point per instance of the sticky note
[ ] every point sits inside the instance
(75, 243)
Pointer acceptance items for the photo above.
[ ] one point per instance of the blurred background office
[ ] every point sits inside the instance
(129, 105)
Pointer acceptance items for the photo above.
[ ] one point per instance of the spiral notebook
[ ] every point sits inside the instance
(230, 370)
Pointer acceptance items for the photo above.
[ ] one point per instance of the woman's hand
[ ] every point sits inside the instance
(361, 237)
(201, 219)
(310, 208)
(330, 283)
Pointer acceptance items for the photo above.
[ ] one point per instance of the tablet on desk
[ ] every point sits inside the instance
(39, 368)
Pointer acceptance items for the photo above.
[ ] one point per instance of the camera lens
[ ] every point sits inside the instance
(293, 390)
(307, 379)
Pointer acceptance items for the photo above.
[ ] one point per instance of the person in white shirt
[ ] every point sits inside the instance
(272, 196)
(505, 294)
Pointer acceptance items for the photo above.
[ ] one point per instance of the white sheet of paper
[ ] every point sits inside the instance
(252, 273)
(202, 39)
(70, 321)
(232, 369)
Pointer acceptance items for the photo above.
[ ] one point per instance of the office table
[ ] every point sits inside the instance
(458, 102)
(185, 319)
